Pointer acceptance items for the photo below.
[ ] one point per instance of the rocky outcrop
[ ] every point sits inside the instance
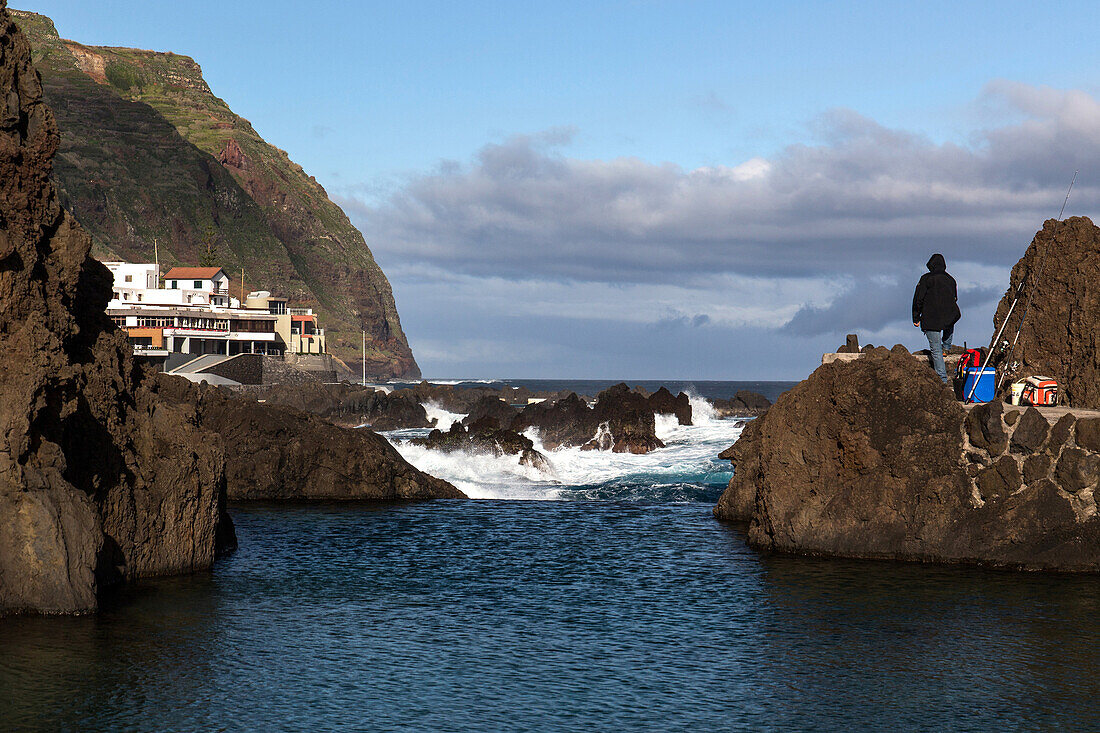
(743, 404)
(349, 405)
(1058, 338)
(621, 421)
(484, 437)
(279, 453)
(874, 458)
(99, 481)
(491, 410)
(662, 402)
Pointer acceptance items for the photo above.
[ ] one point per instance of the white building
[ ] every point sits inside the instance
(195, 315)
(133, 281)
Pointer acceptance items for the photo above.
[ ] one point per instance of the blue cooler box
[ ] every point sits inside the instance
(986, 377)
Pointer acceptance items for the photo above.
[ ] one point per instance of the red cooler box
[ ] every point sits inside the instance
(1041, 391)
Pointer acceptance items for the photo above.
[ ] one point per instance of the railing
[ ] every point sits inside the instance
(300, 311)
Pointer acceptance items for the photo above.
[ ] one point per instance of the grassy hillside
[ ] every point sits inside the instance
(149, 153)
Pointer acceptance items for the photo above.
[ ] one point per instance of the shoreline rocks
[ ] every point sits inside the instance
(485, 437)
(873, 458)
(100, 483)
(278, 453)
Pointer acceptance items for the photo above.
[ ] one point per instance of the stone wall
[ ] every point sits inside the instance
(874, 458)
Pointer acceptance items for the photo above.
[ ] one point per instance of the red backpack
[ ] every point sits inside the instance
(971, 358)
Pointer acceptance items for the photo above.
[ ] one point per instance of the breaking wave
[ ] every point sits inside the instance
(687, 469)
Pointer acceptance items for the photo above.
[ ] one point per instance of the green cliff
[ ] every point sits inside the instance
(148, 153)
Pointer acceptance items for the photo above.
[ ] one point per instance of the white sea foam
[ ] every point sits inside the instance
(443, 418)
(688, 461)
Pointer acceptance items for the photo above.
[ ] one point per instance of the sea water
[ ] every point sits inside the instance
(602, 597)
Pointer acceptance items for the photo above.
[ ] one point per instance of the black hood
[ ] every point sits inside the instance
(936, 263)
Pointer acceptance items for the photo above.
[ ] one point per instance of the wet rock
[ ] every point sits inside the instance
(568, 421)
(737, 502)
(99, 483)
(1031, 433)
(490, 409)
(743, 403)
(662, 402)
(277, 453)
(985, 429)
(621, 421)
(349, 405)
(483, 437)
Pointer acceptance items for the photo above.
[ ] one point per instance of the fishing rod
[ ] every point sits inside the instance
(1030, 294)
(1012, 307)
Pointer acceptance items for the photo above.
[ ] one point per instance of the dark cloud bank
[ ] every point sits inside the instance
(855, 215)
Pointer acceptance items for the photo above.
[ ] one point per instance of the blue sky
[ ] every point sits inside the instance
(658, 189)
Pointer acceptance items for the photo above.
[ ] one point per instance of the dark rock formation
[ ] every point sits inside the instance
(621, 421)
(279, 453)
(1059, 336)
(873, 458)
(99, 482)
(349, 405)
(484, 437)
(851, 345)
(491, 410)
(743, 404)
(662, 402)
(568, 421)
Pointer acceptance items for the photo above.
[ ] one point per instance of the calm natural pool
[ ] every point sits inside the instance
(561, 615)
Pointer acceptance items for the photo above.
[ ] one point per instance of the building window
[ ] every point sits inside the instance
(139, 297)
(116, 295)
(174, 285)
(198, 285)
(125, 296)
(129, 278)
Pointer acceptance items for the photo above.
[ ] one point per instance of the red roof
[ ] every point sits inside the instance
(192, 273)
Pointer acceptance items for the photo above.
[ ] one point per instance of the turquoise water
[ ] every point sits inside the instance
(555, 615)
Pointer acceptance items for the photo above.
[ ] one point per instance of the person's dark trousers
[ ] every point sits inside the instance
(938, 343)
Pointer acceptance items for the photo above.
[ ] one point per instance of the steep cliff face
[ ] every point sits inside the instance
(148, 152)
(1059, 337)
(99, 482)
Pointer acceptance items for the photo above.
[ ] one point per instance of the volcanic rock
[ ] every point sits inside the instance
(621, 421)
(663, 403)
(491, 410)
(279, 453)
(1058, 338)
(484, 437)
(350, 405)
(99, 482)
(568, 421)
(1031, 432)
(873, 458)
(743, 404)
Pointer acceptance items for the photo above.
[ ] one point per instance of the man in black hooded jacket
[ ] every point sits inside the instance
(936, 310)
